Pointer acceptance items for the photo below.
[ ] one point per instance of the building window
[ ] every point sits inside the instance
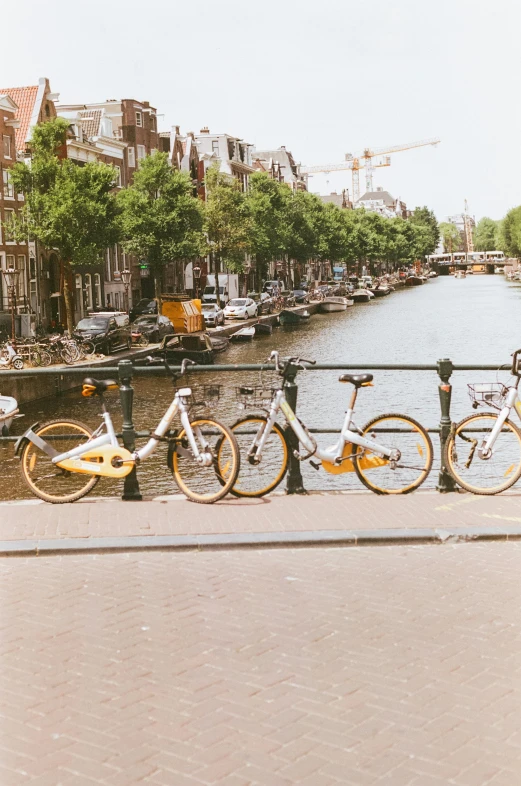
(139, 119)
(152, 123)
(8, 184)
(141, 152)
(88, 289)
(7, 146)
(118, 175)
(9, 225)
(97, 289)
(21, 277)
(131, 157)
(215, 146)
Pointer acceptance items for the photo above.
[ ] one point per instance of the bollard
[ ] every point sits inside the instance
(126, 394)
(445, 480)
(294, 481)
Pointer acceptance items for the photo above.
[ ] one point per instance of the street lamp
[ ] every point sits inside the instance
(11, 277)
(126, 277)
(196, 271)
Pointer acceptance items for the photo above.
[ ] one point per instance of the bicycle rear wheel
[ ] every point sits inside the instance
(409, 471)
(483, 474)
(44, 478)
(256, 480)
(206, 484)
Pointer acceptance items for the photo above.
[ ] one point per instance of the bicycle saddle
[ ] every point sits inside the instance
(358, 380)
(96, 387)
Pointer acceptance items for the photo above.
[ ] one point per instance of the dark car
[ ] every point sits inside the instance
(154, 327)
(106, 332)
(145, 306)
(301, 296)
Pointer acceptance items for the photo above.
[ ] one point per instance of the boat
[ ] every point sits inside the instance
(244, 334)
(263, 329)
(361, 295)
(380, 291)
(8, 412)
(217, 343)
(334, 303)
(433, 274)
(460, 274)
(293, 317)
(414, 281)
(176, 348)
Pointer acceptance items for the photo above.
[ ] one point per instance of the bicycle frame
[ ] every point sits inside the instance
(335, 454)
(512, 402)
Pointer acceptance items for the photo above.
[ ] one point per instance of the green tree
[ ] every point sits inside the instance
(452, 240)
(510, 233)
(426, 242)
(266, 204)
(161, 220)
(486, 235)
(68, 207)
(227, 223)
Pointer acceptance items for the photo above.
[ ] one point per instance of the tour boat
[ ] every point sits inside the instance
(334, 303)
(361, 295)
(8, 412)
(293, 317)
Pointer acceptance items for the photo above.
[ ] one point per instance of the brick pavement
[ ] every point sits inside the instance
(393, 666)
(330, 511)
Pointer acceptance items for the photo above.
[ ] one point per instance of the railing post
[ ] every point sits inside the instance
(126, 394)
(445, 481)
(294, 480)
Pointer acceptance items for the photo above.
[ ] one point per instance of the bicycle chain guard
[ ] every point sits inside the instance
(106, 461)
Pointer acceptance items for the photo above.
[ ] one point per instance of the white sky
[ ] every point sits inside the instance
(323, 78)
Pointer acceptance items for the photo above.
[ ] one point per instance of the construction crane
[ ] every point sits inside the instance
(356, 161)
(468, 230)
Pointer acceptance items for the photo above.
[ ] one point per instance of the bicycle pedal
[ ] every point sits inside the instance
(315, 465)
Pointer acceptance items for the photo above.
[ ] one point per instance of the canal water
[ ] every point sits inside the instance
(473, 320)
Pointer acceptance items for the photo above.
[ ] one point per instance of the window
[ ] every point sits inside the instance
(7, 146)
(8, 225)
(152, 123)
(141, 152)
(8, 184)
(97, 288)
(139, 119)
(9, 261)
(88, 290)
(118, 175)
(215, 146)
(131, 156)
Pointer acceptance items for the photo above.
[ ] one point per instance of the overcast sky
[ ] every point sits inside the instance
(323, 78)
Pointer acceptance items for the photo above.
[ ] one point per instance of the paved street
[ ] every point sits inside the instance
(393, 665)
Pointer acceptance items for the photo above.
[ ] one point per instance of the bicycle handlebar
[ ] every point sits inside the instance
(514, 368)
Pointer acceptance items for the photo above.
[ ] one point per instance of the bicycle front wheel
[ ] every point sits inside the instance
(44, 478)
(206, 484)
(475, 470)
(414, 455)
(256, 480)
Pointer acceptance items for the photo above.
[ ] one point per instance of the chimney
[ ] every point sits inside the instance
(379, 188)
(176, 129)
(204, 130)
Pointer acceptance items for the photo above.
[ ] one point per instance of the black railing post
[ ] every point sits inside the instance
(445, 481)
(126, 394)
(294, 481)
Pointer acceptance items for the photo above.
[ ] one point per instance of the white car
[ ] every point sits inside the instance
(240, 308)
(213, 315)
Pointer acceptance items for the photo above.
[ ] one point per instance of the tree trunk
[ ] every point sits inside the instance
(67, 296)
(217, 266)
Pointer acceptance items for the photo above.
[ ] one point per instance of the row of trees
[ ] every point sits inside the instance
(489, 235)
(77, 211)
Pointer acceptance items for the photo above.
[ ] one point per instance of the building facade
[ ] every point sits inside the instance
(281, 165)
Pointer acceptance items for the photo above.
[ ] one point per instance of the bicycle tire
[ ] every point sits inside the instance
(66, 356)
(45, 357)
(88, 347)
(450, 455)
(142, 341)
(361, 455)
(245, 485)
(30, 455)
(225, 483)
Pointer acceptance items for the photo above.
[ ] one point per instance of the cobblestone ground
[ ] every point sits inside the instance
(388, 665)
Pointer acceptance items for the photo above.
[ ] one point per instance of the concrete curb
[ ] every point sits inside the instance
(256, 540)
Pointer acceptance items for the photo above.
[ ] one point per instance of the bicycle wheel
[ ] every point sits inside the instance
(408, 472)
(88, 347)
(44, 478)
(480, 474)
(142, 341)
(211, 483)
(256, 480)
(40, 357)
(67, 356)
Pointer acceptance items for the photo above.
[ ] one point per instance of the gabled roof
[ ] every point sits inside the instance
(7, 103)
(25, 98)
(91, 127)
(378, 196)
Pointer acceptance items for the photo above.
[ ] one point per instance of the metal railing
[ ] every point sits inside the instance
(125, 371)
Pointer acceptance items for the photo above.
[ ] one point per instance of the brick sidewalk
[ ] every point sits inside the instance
(321, 667)
(315, 512)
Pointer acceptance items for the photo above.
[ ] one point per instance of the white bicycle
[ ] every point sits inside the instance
(483, 451)
(392, 454)
(62, 460)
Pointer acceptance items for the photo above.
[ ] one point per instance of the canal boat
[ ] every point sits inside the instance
(414, 281)
(460, 274)
(263, 329)
(293, 317)
(244, 334)
(380, 291)
(361, 295)
(8, 412)
(334, 303)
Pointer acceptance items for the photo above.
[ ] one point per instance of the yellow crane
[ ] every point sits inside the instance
(356, 161)
(468, 230)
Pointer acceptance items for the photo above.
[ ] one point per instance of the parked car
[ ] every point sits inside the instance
(153, 326)
(145, 306)
(241, 308)
(301, 296)
(213, 315)
(106, 331)
(271, 286)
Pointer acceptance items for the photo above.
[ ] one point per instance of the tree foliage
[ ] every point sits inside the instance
(428, 240)
(510, 233)
(452, 240)
(486, 235)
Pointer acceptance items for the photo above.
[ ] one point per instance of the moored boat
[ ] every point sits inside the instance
(334, 303)
(414, 281)
(8, 412)
(460, 274)
(380, 291)
(293, 317)
(263, 329)
(244, 334)
(361, 295)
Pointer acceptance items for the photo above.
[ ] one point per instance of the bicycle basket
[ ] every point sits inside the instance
(255, 396)
(205, 396)
(490, 393)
